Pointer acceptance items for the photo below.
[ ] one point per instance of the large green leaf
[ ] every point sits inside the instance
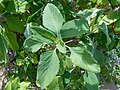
(15, 24)
(43, 32)
(52, 18)
(11, 38)
(3, 49)
(48, 68)
(91, 80)
(33, 44)
(74, 28)
(56, 84)
(82, 58)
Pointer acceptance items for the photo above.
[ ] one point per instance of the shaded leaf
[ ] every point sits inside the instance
(17, 6)
(74, 28)
(105, 31)
(11, 38)
(15, 24)
(99, 56)
(117, 27)
(91, 80)
(3, 49)
(56, 84)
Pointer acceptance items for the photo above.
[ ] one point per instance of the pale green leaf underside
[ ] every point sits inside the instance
(52, 18)
(82, 58)
(32, 44)
(48, 68)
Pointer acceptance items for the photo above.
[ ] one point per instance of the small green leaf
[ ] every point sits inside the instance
(15, 84)
(11, 38)
(56, 84)
(3, 49)
(24, 85)
(82, 58)
(61, 48)
(48, 68)
(98, 56)
(27, 32)
(12, 84)
(8, 86)
(91, 80)
(105, 31)
(68, 62)
(74, 28)
(52, 18)
(17, 6)
(117, 27)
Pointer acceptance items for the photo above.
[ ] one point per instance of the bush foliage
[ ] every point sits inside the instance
(60, 44)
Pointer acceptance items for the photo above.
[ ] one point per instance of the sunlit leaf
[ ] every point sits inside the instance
(48, 68)
(82, 58)
(52, 18)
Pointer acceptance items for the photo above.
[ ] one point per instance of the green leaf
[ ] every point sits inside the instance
(33, 44)
(82, 58)
(3, 49)
(117, 27)
(12, 40)
(52, 18)
(105, 31)
(48, 68)
(68, 62)
(43, 32)
(8, 86)
(114, 2)
(91, 81)
(74, 28)
(15, 84)
(113, 15)
(107, 20)
(56, 84)
(15, 24)
(99, 56)
(17, 6)
(12, 84)
(61, 48)
(27, 32)
(24, 85)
